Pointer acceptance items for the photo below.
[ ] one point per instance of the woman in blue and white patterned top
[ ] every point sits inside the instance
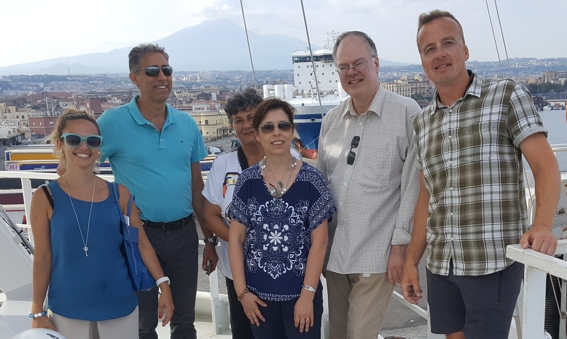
(278, 233)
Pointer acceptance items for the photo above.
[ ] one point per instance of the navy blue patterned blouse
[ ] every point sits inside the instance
(278, 234)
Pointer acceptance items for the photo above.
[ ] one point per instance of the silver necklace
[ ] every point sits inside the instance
(279, 191)
(85, 242)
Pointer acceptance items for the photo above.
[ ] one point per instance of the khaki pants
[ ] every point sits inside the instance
(122, 328)
(357, 304)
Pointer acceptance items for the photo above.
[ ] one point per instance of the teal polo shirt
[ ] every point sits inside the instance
(156, 167)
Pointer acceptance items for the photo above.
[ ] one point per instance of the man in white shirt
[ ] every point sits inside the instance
(367, 155)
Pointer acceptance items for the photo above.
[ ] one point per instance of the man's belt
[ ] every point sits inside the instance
(168, 226)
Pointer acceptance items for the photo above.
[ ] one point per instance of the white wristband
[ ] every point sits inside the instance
(309, 288)
(162, 279)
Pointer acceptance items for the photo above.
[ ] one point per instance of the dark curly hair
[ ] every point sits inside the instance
(242, 101)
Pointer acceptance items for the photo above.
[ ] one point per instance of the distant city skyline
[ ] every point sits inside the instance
(40, 29)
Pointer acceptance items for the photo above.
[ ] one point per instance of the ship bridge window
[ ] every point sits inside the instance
(301, 59)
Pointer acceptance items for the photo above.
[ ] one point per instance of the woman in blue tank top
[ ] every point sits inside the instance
(76, 229)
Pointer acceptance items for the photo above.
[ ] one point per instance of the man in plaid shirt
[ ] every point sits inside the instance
(470, 142)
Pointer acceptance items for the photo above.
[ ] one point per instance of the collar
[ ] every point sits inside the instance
(139, 118)
(375, 104)
(474, 89)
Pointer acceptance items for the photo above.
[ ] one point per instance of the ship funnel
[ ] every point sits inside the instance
(288, 91)
(268, 90)
(279, 91)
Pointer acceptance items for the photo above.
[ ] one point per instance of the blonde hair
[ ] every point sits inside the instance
(70, 114)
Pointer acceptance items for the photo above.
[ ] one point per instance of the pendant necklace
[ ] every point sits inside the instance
(279, 191)
(85, 242)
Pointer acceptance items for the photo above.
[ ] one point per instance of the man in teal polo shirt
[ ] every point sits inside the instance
(155, 150)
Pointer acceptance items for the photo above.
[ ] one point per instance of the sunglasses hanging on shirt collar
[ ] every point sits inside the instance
(351, 155)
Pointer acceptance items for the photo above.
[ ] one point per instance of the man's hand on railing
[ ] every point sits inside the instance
(410, 284)
(540, 239)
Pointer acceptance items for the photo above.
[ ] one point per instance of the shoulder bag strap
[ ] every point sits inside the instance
(48, 195)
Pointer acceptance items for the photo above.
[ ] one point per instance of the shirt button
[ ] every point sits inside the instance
(341, 203)
(449, 137)
(360, 123)
(450, 111)
(451, 213)
(451, 188)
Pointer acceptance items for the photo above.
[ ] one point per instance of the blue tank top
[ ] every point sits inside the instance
(93, 288)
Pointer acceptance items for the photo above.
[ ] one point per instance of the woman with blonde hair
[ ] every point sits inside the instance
(78, 261)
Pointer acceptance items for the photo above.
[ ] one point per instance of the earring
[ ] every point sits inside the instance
(99, 152)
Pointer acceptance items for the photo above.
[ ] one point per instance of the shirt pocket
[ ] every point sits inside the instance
(377, 166)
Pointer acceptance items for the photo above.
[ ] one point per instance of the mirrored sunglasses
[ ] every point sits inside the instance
(153, 71)
(283, 126)
(74, 140)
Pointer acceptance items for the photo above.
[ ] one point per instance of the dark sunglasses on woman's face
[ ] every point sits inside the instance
(283, 126)
(351, 155)
(74, 140)
(153, 71)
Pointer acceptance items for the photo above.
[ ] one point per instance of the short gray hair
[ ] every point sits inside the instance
(370, 44)
(139, 52)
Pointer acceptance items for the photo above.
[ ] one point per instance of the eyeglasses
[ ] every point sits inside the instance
(74, 140)
(283, 126)
(153, 71)
(343, 70)
(351, 155)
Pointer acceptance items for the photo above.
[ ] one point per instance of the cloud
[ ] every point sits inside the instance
(42, 29)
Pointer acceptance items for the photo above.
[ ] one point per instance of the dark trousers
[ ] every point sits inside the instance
(280, 323)
(239, 323)
(480, 306)
(178, 254)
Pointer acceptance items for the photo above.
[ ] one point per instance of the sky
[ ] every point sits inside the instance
(34, 30)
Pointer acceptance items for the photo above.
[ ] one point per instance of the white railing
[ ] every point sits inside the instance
(211, 304)
(536, 268)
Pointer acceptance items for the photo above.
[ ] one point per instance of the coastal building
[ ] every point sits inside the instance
(211, 119)
(42, 126)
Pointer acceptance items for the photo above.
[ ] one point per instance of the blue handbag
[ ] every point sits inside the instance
(139, 275)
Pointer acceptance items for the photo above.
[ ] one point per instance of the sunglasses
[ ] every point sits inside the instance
(74, 140)
(153, 71)
(351, 155)
(283, 126)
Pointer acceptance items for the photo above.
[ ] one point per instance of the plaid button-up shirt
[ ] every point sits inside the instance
(472, 163)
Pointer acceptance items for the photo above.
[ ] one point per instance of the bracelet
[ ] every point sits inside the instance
(241, 296)
(309, 288)
(162, 279)
(37, 315)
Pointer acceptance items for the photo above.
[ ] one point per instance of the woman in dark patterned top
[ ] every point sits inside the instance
(278, 233)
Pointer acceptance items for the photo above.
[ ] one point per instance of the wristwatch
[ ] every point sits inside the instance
(213, 240)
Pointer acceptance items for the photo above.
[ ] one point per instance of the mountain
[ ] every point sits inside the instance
(211, 45)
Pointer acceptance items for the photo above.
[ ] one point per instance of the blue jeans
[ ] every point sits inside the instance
(279, 320)
(178, 253)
